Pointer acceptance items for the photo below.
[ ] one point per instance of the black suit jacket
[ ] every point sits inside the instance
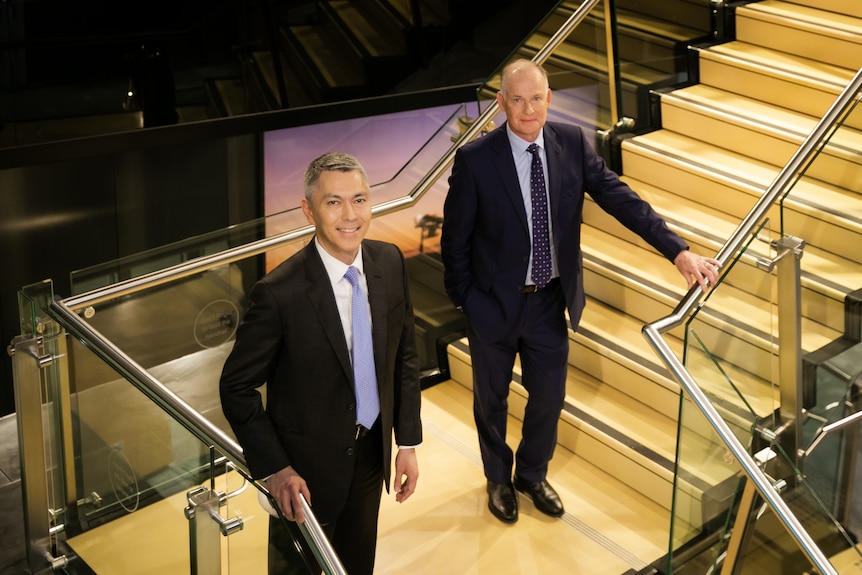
(292, 339)
(486, 244)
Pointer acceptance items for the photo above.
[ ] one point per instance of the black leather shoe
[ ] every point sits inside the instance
(502, 501)
(543, 495)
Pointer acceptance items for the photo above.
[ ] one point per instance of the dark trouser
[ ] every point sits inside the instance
(538, 333)
(353, 533)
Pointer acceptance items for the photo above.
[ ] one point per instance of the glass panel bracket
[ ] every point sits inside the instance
(205, 526)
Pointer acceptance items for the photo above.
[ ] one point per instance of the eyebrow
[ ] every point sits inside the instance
(332, 195)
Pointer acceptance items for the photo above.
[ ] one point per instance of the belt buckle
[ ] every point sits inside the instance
(531, 288)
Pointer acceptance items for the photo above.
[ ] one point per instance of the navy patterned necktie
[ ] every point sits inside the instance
(364, 376)
(541, 273)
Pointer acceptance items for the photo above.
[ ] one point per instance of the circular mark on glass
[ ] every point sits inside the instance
(123, 481)
(216, 323)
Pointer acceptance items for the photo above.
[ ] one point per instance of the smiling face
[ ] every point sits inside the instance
(525, 97)
(340, 209)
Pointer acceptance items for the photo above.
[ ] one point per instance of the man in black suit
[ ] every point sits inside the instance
(297, 336)
(513, 264)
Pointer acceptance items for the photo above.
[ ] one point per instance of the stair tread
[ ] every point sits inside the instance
(593, 493)
(845, 7)
(834, 275)
(624, 332)
(771, 62)
(805, 17)
(622, 423)
(830, 202)
(328, 61)
(379, 38)
(585, 57)
(432, 15)
(788, 126)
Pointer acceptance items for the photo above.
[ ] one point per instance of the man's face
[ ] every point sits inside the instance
(525, 97)
(340, 209)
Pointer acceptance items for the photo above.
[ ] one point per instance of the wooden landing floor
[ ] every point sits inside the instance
(444, 528)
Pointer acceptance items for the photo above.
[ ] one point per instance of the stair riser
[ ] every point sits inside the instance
(634, 469)
(737, 199)
(695, 15)
(632, 45)
(840, 49)
(780, 90)
(774, 148)
(847, 7)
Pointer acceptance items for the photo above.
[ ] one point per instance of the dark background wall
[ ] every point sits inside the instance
(65, 215)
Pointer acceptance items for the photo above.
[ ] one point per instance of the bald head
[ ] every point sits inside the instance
(524, 96)
(520, 68)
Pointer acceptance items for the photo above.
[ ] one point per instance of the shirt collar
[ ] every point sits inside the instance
(519, 144)
(336, 268)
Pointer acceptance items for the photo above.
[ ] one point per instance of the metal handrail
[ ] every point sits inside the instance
(776, 190)
(188, 417)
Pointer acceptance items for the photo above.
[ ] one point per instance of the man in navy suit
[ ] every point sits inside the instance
(513, 265)
(297, 337)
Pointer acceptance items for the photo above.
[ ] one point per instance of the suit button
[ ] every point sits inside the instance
(351, 407)
(350, 451)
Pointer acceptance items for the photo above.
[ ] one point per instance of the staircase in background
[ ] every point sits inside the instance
(722, 141)
(338, 50)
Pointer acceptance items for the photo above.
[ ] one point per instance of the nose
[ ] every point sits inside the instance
(348, 212)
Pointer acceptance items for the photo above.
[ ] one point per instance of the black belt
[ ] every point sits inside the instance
(361, 431)
(533, 288)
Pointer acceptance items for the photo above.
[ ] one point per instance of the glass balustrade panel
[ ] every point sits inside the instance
(771, 548)
(644, 47)
(728, 351)
(823, 208)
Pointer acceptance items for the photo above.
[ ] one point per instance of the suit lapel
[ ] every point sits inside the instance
(376, 278)
(554, 156)
(323, 301)
(505, 165)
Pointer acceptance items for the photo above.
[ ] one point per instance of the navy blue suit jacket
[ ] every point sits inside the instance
(486, 244)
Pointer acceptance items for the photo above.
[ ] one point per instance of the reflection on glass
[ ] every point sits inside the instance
(734, 321)
(618, 53)
(822, 206)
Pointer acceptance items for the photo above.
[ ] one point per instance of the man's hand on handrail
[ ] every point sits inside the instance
(697, 269)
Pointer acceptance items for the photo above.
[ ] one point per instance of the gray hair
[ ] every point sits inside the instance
(518, 63)
(331, 162)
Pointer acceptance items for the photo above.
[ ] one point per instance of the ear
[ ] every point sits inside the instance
(306, 209)
(548, 97)
(500, 99)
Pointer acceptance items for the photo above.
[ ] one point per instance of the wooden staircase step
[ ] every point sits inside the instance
(826, 278)
(376, 35)
(759, 130)
(809, 32)
(845, 7)
(620, 433)
(688, 13)
(782, 79)
(297, 95)
(316, 57)
(637, 34)
(824, 215)
(432, 12)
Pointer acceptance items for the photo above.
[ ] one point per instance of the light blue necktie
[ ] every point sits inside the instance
(541, 273)
(364, 375)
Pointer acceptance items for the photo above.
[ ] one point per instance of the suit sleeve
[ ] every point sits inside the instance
(618, 199)
(407, 423)
(249, 365)
(459, 217)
